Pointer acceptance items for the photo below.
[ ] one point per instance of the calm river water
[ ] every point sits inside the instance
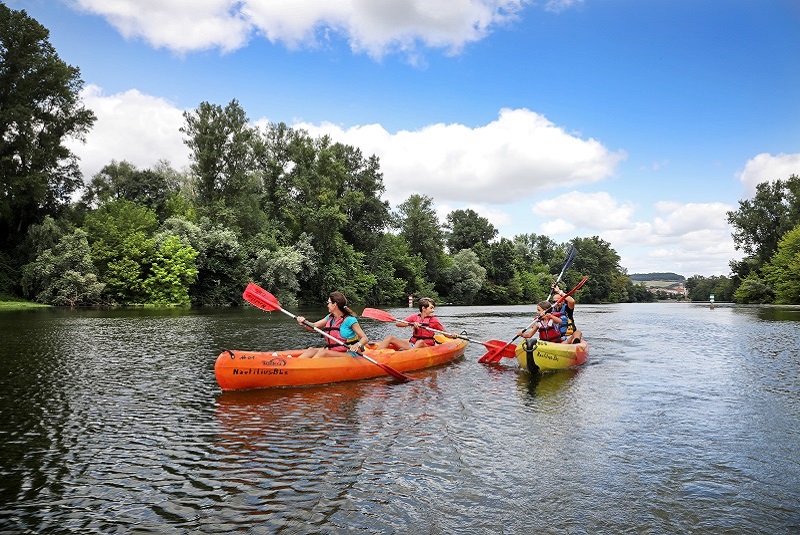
(684, 420)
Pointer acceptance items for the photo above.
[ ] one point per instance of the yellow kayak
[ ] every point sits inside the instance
(546, 356)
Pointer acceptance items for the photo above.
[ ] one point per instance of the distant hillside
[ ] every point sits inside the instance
(657, 277)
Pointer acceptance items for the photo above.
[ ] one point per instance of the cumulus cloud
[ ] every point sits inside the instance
(516, 156)
(131, 126)
(593, 211)
(768, 168)
(369, 26)
(691, 238)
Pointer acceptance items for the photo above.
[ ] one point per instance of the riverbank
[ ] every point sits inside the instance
(9, 303)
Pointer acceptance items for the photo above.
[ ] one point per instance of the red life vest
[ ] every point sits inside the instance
(548, 331)
(422, 333)
(332, 327)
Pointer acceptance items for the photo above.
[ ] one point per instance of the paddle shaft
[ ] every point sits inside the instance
(567, 262)
(391, 371)
(381, 315)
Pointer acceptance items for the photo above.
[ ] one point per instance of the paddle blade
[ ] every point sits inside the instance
(570, 257)
(261, 298)
(377, 314)
(503, 349)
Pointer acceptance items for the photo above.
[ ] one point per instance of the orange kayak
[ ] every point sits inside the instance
(245, 370)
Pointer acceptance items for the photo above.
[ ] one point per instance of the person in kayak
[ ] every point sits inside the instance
(565, 307)
(342, 324)
(547, 324)
(421, 336)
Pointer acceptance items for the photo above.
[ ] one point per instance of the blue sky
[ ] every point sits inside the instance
(641, 122)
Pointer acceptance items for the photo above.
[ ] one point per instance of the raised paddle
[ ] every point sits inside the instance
(497, 356)
(381, 315)
(264, 300)
(570, 257)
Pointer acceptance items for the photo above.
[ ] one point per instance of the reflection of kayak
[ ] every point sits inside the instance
(243, 370)
(551, 356)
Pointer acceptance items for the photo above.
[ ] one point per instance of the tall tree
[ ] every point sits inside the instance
(122, 180)
(40, 110)
(760, 222)
(596, 258)
(419, 226)
(222, 144)
(466, 229)
(782, 272)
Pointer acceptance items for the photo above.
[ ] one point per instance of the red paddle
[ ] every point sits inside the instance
(264, 300)
(496, 345)
(498, 355)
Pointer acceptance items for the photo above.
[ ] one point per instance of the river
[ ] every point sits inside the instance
(685, 419)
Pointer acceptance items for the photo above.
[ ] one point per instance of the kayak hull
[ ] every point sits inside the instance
(547, 356)
(247, 370)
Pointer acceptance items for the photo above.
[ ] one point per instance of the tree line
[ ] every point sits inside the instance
(297, 214)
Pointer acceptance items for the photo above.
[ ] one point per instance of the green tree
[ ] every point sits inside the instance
(699, 288)
(40, 110)
(465, 277)
(753, 289)
(532, 250)
(596, 258)
(222, 145)
(63, 274)
(279, 268)
(121, 236)
(416, 219)
(171, 272)
(760, 222)
(152, 188)
(638, 293)
(782, 272)
(222, 266)
(466, 229)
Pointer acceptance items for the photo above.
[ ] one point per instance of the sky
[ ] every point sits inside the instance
(640, 122)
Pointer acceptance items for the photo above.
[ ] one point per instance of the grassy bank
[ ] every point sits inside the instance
(14, 303)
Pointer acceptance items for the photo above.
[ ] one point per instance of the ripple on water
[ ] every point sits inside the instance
(684, 420)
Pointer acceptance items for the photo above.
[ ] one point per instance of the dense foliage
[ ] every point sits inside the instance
(765, 228)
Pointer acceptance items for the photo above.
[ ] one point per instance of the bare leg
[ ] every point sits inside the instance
(308, 353)
(393, 342)
(574, 338)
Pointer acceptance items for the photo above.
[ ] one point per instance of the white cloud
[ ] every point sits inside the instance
(688, 238)
(131, 126)
(768, 168)
(593, 211)
(369, 26)
(517, 156)
(179, 25)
